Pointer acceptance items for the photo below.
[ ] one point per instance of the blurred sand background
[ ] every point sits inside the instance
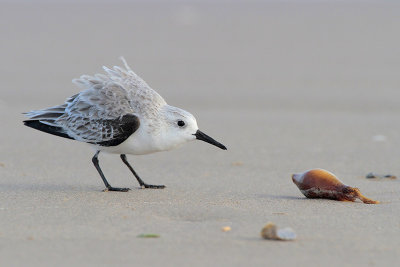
(286, 86)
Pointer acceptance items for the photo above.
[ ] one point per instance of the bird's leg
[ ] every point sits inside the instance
(141, 183)
(95, 161)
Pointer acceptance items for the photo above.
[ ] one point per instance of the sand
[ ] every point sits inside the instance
(286, 87)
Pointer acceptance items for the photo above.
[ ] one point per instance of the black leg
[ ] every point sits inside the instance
(95, 161)
(142, 184)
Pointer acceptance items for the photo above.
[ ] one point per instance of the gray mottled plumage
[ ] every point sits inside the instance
(92, 115)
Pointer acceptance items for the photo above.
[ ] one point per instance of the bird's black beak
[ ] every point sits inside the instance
(203, 137)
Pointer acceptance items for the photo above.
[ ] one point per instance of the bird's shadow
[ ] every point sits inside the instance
(7, 187)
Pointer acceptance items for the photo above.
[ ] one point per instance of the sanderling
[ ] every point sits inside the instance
(119, 113)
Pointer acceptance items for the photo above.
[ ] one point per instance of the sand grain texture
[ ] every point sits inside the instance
(308, 86)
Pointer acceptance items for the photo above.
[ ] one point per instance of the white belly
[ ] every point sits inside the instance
(144, 142)
(139, 143)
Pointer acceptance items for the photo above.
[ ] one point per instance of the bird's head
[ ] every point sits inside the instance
(181, 127)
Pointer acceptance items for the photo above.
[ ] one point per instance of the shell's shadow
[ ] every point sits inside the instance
(280, 197)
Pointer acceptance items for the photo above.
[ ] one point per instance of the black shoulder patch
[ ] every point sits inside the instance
(124, 127)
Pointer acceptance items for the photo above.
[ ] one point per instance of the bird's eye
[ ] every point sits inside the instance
(181, 123)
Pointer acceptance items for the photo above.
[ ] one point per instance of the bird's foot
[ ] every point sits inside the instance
(117, 189)
(151, 186)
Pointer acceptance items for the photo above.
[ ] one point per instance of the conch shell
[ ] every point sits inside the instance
(319, 183)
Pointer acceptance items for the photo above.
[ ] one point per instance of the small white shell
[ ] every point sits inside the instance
(286, 234)
(270, 231)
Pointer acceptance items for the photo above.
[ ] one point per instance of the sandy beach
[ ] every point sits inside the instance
(286, 87)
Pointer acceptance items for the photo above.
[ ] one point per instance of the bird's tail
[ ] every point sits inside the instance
(45, 120)
(38, 125)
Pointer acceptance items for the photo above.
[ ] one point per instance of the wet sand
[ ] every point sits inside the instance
(286, 87)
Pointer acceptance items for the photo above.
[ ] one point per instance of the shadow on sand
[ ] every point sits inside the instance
(280, 197)
(48, 187)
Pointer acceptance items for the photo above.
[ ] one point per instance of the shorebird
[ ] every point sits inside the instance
(118, 112)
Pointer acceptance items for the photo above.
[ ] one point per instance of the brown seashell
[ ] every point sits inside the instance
(319, 183)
